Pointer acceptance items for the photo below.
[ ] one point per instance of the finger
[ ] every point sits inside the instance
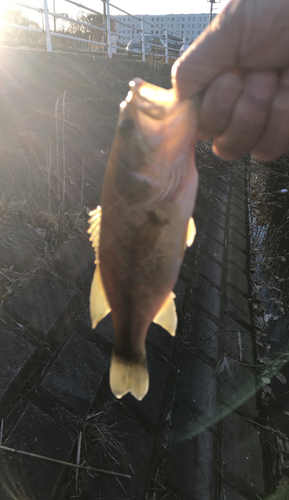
(218, 104)
(249, 116)
(275, 138)
(214, 52)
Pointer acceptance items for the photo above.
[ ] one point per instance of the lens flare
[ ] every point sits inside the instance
(3, 10)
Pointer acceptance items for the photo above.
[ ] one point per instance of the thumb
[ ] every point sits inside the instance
(214, 52)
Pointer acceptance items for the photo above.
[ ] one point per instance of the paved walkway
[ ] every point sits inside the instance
(193, 437)
(215, 448)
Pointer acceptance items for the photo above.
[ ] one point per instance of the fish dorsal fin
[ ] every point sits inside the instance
(167, 316)
(94, 231)
(99, 305)
(191, 232)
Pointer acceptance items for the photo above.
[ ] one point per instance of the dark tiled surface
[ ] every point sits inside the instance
(189, 420)
(16, 354)
(35, 432)
(40, 303)
(76, 374)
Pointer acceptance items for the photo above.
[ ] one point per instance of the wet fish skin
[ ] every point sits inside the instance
(147, 200)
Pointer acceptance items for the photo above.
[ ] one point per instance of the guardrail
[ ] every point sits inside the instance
(106, 39)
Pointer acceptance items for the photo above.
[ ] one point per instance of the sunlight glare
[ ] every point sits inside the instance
(3, 9)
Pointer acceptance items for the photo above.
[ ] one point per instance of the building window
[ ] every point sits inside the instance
(183, 25)
(162, 25)
(188, 26)
(128, 19)
(188, 32)
(204, 25)
(177, 25)
(157, 18)
(153, 18)
(172, 25)
(182, 32)
(152, 32)
(199, 32)
(183, 18)
(123, 18)
(173, 18)
(123, 31)
(189, 18)
(162, 18)
(193, 19)
(157, 32)
(199, 25)
(201, 18)
(178, 18)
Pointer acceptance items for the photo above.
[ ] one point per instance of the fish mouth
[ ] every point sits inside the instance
(151, 100)
(157, 112)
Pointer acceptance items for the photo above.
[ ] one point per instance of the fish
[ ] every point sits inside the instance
(143, 225)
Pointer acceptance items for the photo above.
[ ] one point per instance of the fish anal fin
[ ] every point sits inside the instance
(94, 230)
(167, 316)
(128, 376)
(191, 232)
(99, 305)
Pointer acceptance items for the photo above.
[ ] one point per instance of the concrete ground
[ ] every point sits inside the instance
(196, 435)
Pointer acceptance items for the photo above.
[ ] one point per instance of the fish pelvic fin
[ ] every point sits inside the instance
(128, 376)
(99, 305)
(191, 232)
(167, 316)
(94, 231)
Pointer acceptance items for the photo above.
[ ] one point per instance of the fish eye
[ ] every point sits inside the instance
(125, 127)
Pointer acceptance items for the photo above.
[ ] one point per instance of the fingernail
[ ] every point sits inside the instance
(261, 85)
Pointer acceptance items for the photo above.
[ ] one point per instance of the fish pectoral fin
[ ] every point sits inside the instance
(191, 232)
(94, 230)
(167, 316)
(99, 305)
(128, 376)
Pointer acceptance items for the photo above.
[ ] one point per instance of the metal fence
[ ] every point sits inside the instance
(100, 38)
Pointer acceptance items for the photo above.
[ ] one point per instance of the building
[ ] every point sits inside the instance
(182, 25)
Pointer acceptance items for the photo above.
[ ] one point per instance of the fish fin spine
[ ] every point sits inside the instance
(94, 230)
(128, 376)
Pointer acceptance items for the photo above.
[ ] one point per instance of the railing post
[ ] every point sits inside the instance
(47, 29)
(167, 43)
(54, 18)
(104, 24)
(108, 29)
(143, 40)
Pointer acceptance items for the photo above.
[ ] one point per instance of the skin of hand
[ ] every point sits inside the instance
(240, 64)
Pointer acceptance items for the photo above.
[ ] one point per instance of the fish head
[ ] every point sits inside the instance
(155, 132)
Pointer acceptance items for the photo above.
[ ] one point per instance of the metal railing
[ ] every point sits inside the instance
(106, 41)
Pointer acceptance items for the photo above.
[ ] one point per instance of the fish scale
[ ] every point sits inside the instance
(143, 226)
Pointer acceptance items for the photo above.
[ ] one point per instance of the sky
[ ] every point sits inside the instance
(150, 7)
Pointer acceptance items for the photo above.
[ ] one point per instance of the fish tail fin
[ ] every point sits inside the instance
(128, 376)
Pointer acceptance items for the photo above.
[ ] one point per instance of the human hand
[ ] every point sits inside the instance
(241, 62)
